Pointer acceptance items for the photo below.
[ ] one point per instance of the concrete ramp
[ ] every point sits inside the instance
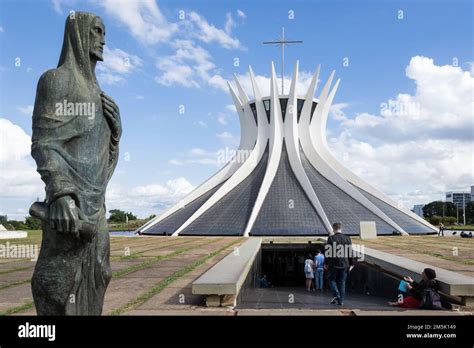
(221, 284)
(451, 283)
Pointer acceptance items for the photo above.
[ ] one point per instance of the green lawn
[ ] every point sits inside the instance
(463, 227)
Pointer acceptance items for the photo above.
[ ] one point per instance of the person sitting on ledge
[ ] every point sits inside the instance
(420, 295)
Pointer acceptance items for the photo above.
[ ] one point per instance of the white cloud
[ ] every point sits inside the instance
(414, 156)
(59, 4)
(190, 66)
(174, 73)
(145, 200)
(209, 33)
(263, 81)
(230, 107)
(175, 162)
(222, 119)
(2, 30)
(27, 110)
(109, 78)
(218, 82)
(143, 18)
(149, 25)
(471, 66)
(202, 124)
(198, 156)
(199, 152)
(116, 65)
(337, 112)
(442, 107)
(18, 176)
(241, 14)
(225, 136)
(119, 61)
(174, 188)
(229, 23)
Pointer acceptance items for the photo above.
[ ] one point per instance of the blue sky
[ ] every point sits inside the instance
(164, 153)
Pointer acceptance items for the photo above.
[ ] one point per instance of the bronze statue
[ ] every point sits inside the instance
(76, 133)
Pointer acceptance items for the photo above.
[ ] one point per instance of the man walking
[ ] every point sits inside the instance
(338, 261)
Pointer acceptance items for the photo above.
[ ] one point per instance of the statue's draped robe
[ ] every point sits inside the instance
(76, 156)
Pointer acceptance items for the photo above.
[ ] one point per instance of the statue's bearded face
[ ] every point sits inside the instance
(97, 39)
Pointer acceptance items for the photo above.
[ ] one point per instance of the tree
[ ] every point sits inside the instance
(32, 223)
(17, 225)
(119, 216)
(435, 220)
(449, 220)
(436, 208)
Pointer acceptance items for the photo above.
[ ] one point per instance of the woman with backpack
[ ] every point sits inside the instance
(423, 294)
(309, 267)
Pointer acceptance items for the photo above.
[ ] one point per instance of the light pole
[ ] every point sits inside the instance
(464, 208)
(457, 213)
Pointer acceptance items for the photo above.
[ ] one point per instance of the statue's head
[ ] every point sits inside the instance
(84, 40)
(97, 39)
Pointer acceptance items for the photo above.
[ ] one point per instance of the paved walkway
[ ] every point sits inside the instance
(299, 298)
(149, 273)
(153, 276)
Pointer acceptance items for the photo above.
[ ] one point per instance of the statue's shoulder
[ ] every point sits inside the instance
(52, 80)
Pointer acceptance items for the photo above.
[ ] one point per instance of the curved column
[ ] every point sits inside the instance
(318, 135)
(250, 163)
(247, 141)
(292, 146)
(310, 143)
(276, 142)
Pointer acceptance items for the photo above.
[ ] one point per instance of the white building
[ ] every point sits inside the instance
(460, 198)
(289, 183)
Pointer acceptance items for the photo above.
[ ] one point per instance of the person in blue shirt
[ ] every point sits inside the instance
(319, 271)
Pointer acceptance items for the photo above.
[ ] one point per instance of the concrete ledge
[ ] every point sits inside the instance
(451, 283)
(13, 234)
(221, 284)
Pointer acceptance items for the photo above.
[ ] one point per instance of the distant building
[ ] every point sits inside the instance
(472, 193)
(459, 197)
(418, 209)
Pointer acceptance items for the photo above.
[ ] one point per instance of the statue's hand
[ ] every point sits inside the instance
(63, 215)
(112, 114)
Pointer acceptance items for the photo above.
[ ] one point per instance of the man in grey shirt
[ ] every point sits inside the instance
(339, 261)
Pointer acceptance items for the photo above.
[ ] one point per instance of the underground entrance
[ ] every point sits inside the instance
(236, 279)
(282, 265)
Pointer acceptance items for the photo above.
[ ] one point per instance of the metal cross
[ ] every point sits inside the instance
(282, 42)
